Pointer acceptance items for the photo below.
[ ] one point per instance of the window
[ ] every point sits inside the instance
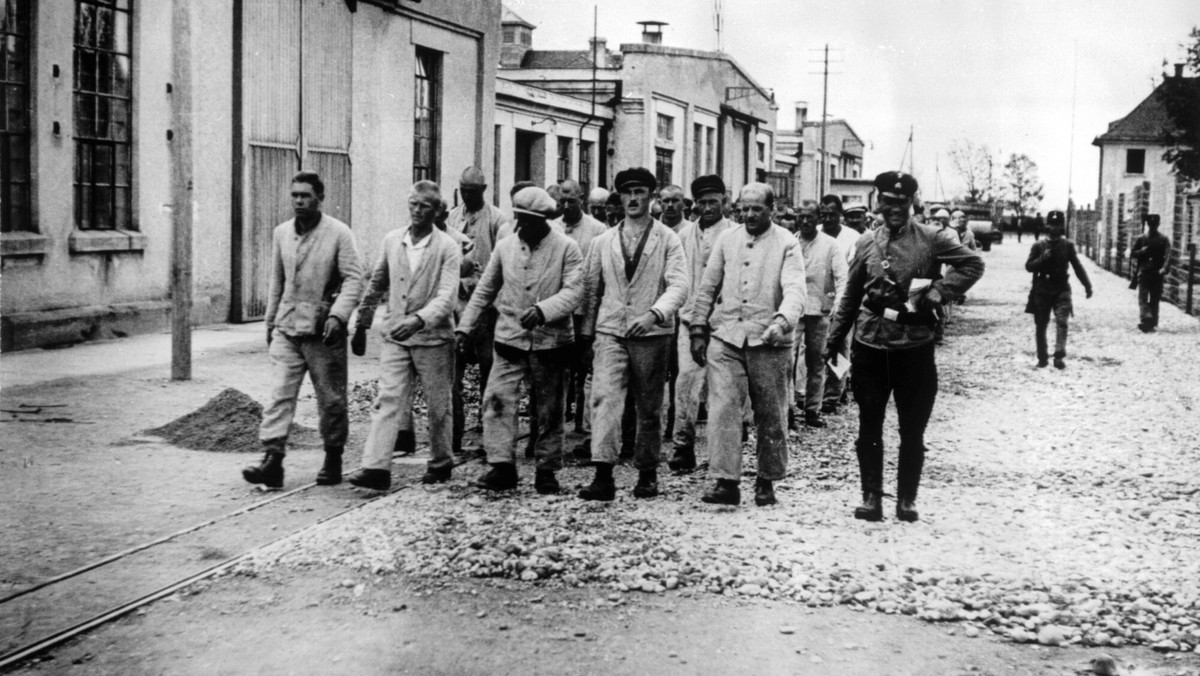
(14, 125)
(697, 150)
(585, 166)
(664, 165)
(103, 114)
(710, 149)
(427, 119)
(1135, 161)
(510, 35)
(762, 152)
(666, 127)
(564, 158)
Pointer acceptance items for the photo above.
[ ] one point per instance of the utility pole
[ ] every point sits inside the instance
(181, 192)
(824, 122)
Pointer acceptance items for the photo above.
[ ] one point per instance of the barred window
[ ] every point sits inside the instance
(15, 123)
(103, 114)
(585, 166)
(664, 165)
(564, 158)
(427, 120)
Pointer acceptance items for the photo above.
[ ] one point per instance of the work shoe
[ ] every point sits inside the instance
(683, 460)
(406, 443)
(1059, 363)
(871, 509)
(331, 471)
(371, 479)
(726, 492)
(583, 452)
(602, 488)
(501, 477)
(436, 476)
(829, 408)
(545, 483)
(269, 472)
(793, 425)
(647, 484)
(813, 420)
(764, 492)
(1043, 362)
(906, 510)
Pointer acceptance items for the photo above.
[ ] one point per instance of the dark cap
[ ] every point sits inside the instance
(859, 209)
(896, 184)
(1056, 218)
(630, 178)
(1151, 219)
(707, 184)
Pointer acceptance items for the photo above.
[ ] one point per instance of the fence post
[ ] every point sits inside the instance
(1191, 277)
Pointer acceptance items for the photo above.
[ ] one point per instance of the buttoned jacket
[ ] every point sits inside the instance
(428, 292)
(825, 270)
(482, 227)
(697, 247)
(748, 282)
(659, 283)
(313, 275)
(549, 275)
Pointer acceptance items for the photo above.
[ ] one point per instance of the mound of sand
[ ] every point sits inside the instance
(228, 423)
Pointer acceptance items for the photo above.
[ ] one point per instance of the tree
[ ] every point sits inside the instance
(976, 167)
(1181, 97)
(1023, 189)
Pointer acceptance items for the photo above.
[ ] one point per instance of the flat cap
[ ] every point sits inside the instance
(636, 176)
(597, 196)
(896, 184)
(534, 201)
(858, 209)
(1055, 218)
(706, 184)
(1152, 219)
(942, 213)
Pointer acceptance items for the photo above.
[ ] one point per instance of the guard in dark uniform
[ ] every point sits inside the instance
(894, 320)
(1152, 251)
(1051, 292)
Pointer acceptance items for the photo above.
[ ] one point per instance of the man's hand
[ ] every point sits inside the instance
(774, 334)
(1088, 291)
(642, 325)
(334, 331)
(831, 354)
(358, 344)
(462, 343)
(699, 348)
(270, 335)
(408, 327)
(532, 318)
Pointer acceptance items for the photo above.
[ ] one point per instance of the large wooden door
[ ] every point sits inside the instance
(296, 65)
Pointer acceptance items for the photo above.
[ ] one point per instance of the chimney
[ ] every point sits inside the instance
(1179, 70)
(801, 114)
(652, 32)
(599, 48)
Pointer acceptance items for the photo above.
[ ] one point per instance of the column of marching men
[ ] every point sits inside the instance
(592, 304)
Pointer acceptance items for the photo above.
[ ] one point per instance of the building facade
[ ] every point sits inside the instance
(372, 94)
(838, 171)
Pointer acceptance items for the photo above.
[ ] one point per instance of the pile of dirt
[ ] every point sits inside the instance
(228, 423)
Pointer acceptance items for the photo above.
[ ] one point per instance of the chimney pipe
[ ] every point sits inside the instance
(801, 114)
(599, 49)
(652, 32)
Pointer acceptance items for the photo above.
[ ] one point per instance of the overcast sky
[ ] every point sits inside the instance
(998, 72)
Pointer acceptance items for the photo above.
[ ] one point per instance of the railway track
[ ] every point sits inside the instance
(20, 609)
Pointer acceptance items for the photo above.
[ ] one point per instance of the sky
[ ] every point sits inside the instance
(1014, 75)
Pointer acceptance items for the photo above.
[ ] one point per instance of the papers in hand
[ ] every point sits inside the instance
(918, 284)
(841, 367)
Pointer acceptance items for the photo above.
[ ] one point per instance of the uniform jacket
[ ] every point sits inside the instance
(549, 276)
(482, 227)
(915, 251)
(825, 271)
(1050, 275)
(748, 282)
(1153, 253)
(697, 247)
(312, 276)
(659, 284)
(428, 292)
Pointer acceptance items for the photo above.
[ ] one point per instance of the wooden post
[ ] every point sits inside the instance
(1191, 277)
(181, 192)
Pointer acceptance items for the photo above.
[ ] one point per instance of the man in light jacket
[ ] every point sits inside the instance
(418, 269)
(752, 296)
(825, 279)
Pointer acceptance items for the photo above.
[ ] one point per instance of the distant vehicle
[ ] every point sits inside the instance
(981, 220)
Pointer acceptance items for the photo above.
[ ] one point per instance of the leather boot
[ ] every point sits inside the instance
(906, 509)
(647, 485)
(683, 460)
(871, 508)
(908, 480)
(331, 471)
(406, 442)
(870, 465)
(371, 479)
(501, 477)
(602, 488)
(764, 492)
(545, 483)
(436, 476)
(726, 492)
(269, 472)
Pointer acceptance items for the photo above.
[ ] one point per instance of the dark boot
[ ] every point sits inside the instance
(583, 452)
(906, 510)
(683, 460)
(813, 420)
(331, 471)
(269, 472)
(1058, 360)
(406, 442)
(545, 483)
(871, 508)
(908, 480)
(602, 487)
(437, 476)
(501, 477)
(793, 424)
(764, 492)
(726, 492)
(647, 485)
(371, 479)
